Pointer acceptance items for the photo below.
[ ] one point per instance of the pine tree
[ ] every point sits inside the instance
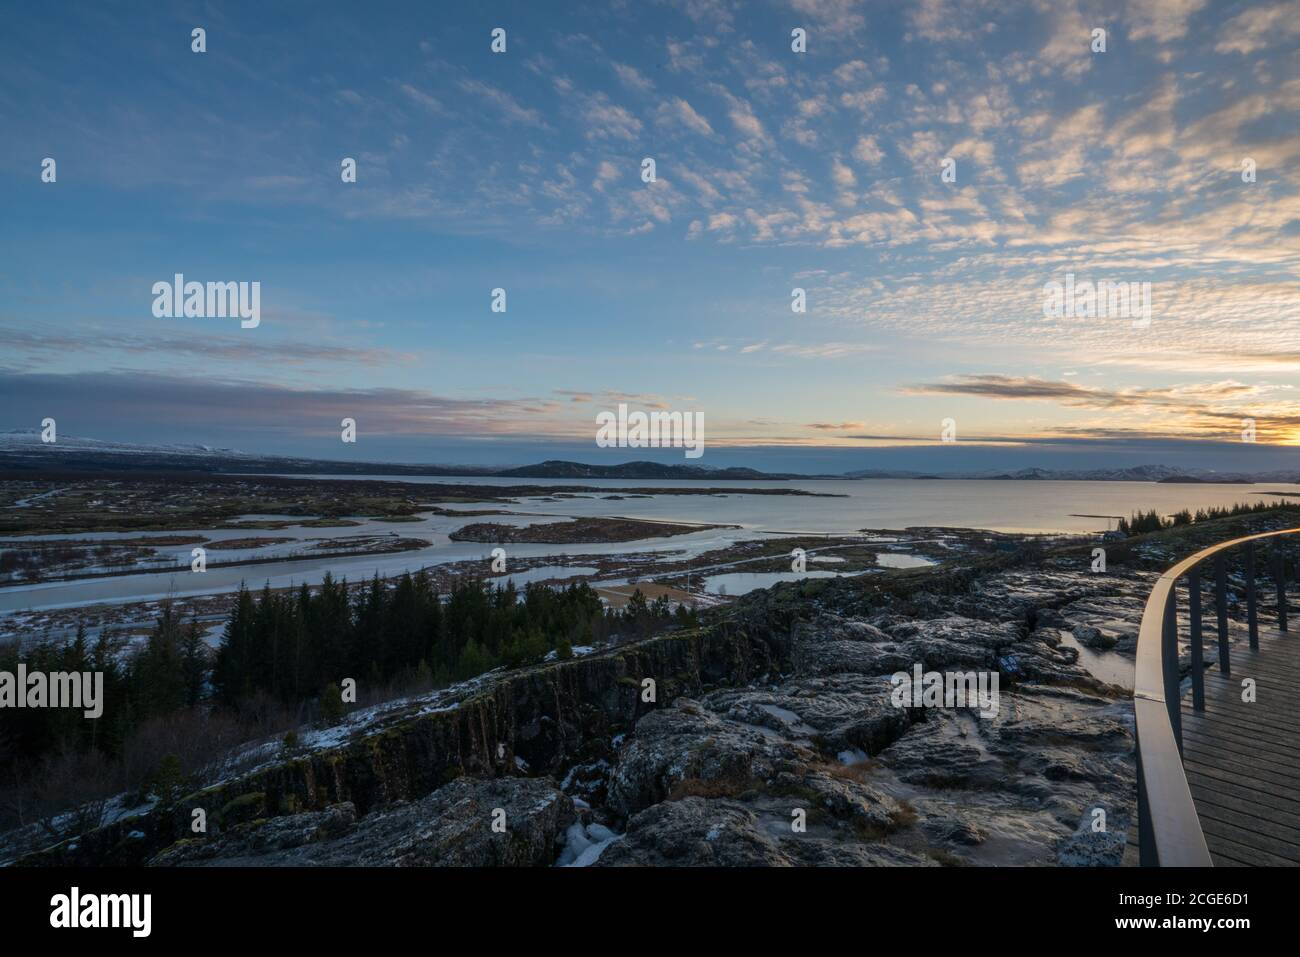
(234, 670)
(157, 669)
(331, 704)
(195, 659)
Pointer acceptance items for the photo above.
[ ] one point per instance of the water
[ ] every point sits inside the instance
(900, 560)
(1005, 506)
(742, 583)
(1009, 506)
(543, 573)
(1108, 666)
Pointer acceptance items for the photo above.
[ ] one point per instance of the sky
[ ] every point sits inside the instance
(774, 170)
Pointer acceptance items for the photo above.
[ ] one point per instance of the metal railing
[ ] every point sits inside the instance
(1169, 830)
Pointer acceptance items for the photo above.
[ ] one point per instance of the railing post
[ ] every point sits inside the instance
(1165, 797)
(1221, 610)
(1147, 856)
(1194, 619)
(1252, 611)
(1169, 657)
(1279, 580)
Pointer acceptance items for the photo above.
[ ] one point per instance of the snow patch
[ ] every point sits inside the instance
(584, 845)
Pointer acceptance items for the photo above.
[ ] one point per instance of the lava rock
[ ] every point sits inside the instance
(453, 827)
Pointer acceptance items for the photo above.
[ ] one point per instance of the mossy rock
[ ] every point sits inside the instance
(183, 842)
(246, 807)
(131, 850)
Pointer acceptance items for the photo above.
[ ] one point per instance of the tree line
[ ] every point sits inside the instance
(281, 660)
(1142, 522)
(294, 644)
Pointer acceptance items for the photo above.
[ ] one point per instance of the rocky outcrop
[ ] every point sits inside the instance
(549, 717)
(823, 767)
(773, 738)
(500, 822)
(694, 832)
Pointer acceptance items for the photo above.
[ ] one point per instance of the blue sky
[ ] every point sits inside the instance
(774, 170)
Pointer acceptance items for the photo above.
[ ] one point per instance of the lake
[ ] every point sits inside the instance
(1000, 505)
(1009, 506)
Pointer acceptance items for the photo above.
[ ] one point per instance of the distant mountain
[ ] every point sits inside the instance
(1136, 473)
(29, 440)
(886, 474)
(638, 470)
(23, 450)
(1213, 480)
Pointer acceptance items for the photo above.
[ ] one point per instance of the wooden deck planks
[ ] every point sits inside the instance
(1242, 760)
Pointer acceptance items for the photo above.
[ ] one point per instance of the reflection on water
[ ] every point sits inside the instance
(742, 583)
(1001, 505)
(1106, 666)
(870, 504)
(543, 573)
(901, 560)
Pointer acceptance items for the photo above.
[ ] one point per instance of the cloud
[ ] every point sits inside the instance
(1208, 410)
(607, 120)
(244, 350)
(1012, 387)
(1257, 28)
(1123, 166)
(868, 151)
(1161, 20)
(606, 173)
(1068, 50)
(742, 117)
(945, 20)
(422, 99)
(504, 102)
(684, 113)
(715, 13)
(837, 16)
(632, 78)
(158, 403)
(864, 101)
(833, 427)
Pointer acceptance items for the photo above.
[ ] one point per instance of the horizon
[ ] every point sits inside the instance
(776, 172)
(537, 435)
(937, 460)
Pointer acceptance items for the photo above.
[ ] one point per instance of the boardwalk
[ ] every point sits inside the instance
(1242, 760)
(1219, 777)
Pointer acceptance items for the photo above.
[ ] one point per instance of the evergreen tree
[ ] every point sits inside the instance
(157, 669)
(195, 659)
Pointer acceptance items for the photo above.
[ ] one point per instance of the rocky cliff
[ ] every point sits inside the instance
(772, 739)
(547, 718)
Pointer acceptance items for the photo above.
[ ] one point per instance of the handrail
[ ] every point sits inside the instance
(1170, 829)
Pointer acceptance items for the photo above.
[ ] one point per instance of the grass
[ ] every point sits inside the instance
(715, 788)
